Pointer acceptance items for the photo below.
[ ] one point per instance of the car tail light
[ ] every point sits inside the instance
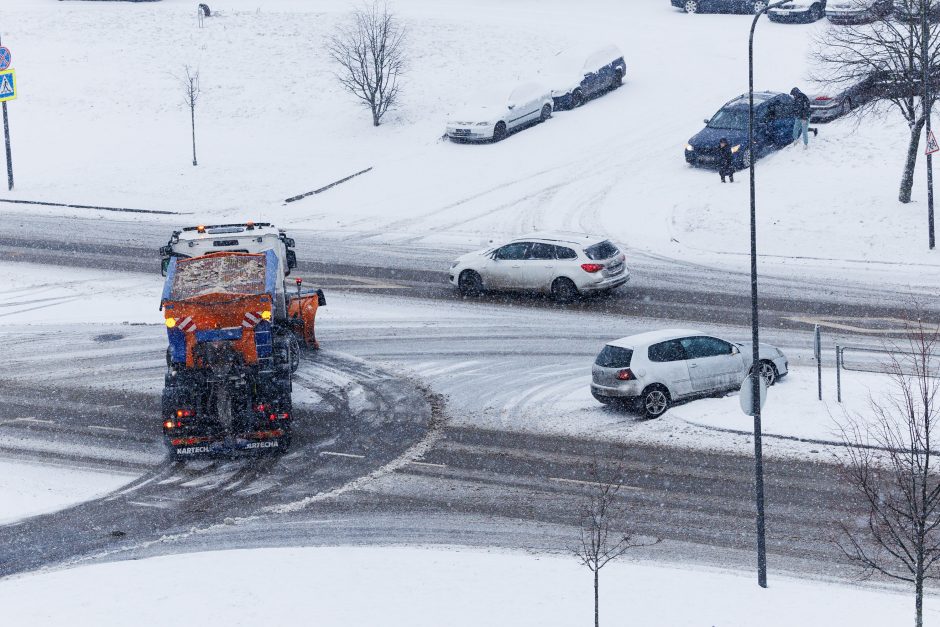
(272, 417)
(284, 416)
(823, 98)
(626, 375)
(185, 413)
(592, 267)
(260, 407)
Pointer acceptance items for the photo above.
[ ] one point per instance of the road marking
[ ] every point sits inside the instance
(28, 419)
(115, 429)
(590, 483)
(334, 454)
(428, 464)
(139, 504)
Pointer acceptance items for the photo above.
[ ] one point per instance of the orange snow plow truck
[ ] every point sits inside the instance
(234, 331)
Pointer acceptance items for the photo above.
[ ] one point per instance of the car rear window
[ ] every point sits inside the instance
(603, 250)
(614, 357)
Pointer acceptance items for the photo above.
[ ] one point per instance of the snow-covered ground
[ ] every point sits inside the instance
(100, 121)
(423, 587)
(28, 489)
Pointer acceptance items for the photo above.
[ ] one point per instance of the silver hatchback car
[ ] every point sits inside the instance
(652, 370)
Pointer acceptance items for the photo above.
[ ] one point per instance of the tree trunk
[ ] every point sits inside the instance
(919, 593)
(907, 178)
(192, 111)
(375, 116)
(597, 599)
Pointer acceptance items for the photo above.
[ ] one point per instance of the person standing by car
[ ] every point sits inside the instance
(802, 111)
(725, 160)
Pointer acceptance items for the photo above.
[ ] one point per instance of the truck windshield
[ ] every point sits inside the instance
(232, 274)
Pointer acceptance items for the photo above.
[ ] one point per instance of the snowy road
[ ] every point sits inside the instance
(494, 477)
(794, 297)
(515, 435)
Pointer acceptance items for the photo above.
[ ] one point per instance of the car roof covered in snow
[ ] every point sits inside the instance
(652, 337)
(760, 97)
(568, 237)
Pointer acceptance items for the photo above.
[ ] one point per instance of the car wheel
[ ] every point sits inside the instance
(769, 371)
(691, 6)
(546, 112)
(618, 79)
(469, 283)
(577, 99)
(499, 133)
(564, 290)
(759, 5)
(654, 401)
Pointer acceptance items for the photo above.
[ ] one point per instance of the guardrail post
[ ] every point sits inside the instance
(817, 351)
(838, 373)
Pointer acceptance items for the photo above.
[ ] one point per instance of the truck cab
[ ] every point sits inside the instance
(248, 237)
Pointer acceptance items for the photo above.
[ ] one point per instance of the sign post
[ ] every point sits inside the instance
(7, 92)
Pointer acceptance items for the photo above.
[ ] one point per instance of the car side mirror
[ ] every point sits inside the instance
(164, 264)
(706, 121)
(735, 350)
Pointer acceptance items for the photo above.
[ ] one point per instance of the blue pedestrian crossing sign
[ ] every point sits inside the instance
(7, 85)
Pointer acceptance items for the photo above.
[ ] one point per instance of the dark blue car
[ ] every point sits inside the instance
(720, 6)
(577, 75)
(773, 129)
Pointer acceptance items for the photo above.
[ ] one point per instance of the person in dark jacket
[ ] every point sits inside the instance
(725, 160)
(802, 111)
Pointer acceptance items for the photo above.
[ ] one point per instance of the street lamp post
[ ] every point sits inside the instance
(755, 353)
(925, 63)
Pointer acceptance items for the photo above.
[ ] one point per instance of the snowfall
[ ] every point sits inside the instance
(100, 121)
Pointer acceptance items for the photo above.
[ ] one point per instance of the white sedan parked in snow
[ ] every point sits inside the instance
(563, 264)
(492, 114)
(652, 370)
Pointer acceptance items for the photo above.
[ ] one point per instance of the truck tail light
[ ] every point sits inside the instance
(626, 375)
(185, 413)
(592, 267)
(169, 424)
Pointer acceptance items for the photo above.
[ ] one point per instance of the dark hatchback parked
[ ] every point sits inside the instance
(773, 129)
(798, 12)
(575, 76)
(720, 6)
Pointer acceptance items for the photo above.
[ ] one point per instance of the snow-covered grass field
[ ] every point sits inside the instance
(416, 587)
(100, 121)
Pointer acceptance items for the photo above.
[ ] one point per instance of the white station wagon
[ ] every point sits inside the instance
(652, 370)
(493, 113)
(565, 265)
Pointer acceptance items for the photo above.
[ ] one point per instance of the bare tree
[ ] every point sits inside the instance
(889, 54)
(190, 81)
(370, 53)
(890, 463)
(601, 512)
